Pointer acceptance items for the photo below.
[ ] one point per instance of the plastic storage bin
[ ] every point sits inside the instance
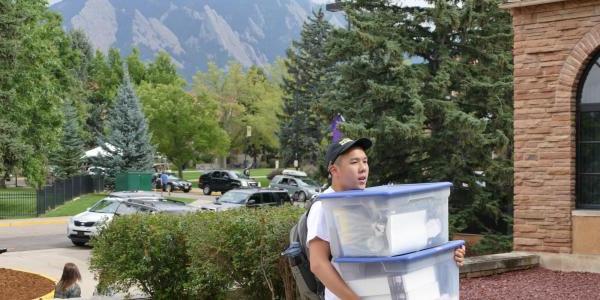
(427, 274)
(387, 220)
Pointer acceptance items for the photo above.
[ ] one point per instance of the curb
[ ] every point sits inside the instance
(21, 223)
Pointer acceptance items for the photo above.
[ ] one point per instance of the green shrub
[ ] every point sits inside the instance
(143, 251)
(491, 244)
(230, 254)
(241, 248)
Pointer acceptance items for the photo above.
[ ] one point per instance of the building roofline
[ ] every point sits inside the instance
(508, 4)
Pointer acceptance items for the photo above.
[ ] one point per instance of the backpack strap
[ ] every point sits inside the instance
(305, 224)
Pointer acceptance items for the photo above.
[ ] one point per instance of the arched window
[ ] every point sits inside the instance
(588, 137)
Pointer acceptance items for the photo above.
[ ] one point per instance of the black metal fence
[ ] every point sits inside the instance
(62, 191)
(16, 203)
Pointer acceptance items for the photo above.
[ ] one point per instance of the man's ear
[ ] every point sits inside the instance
(333, 169)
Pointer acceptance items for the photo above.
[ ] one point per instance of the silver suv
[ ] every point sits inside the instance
(300, 188)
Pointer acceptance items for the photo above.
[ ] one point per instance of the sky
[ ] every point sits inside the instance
(403, 2)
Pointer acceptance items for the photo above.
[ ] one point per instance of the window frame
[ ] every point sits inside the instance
(579, 109)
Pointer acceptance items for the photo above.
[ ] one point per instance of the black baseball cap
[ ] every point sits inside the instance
(338, 148)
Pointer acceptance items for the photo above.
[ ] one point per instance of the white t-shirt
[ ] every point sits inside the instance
(316, 226)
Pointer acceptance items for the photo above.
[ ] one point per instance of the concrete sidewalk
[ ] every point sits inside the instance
(33, 221)
(50, 263)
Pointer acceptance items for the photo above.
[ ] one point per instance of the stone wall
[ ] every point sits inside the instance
(552, 45)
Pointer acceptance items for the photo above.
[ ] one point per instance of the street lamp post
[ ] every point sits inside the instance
(248, 135)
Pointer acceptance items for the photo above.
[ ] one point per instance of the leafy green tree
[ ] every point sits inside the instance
(184, 127)
(105, 77)
(136, 67)
(32, 85)
(13, 150)
(245, 99)
(163, 71)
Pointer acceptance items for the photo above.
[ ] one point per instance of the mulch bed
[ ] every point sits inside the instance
(537, 283)
(16, 285)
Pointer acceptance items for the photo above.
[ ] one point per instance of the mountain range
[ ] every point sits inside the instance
(192, 32)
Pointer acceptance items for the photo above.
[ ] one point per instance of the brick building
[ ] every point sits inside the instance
(557, 131)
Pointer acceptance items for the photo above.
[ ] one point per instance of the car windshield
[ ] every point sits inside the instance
(171, 177)
(105, 206)
(233, 197)
(237, 175)
(309, 182)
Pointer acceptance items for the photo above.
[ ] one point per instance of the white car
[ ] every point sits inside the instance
(82, 227)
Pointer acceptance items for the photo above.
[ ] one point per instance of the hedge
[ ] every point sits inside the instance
(209, 255)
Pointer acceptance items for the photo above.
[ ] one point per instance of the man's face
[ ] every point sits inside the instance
(351, 170)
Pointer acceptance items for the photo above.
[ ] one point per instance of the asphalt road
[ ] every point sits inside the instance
(34, 237)
(51, 236)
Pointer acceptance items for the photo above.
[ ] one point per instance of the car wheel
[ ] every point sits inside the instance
(301, 197)
(171, 188)
(187, 190)
(206, 190)
(78, 243)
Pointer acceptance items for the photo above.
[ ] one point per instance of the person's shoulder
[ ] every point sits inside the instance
(315, 209)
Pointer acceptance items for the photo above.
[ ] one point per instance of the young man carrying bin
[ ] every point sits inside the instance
(348, 166)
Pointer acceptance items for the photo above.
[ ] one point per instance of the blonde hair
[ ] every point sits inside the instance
(70, 275)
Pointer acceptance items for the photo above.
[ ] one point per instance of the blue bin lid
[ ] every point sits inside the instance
(388, 190)
(405, 257)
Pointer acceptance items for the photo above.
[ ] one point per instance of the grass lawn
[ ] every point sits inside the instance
(17, 203)
(74, 207)
(191, 176)
(18, 189)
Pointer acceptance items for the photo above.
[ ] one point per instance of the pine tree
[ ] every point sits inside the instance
(377, 92)
(447, 118)
(301, 129)
(127, 142)
(68, 157)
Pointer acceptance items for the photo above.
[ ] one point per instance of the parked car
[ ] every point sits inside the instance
(300, 188)
(224, 180)
(135, 194)
(82, 227)
(174, 183)
(239, 198)
(94, 170)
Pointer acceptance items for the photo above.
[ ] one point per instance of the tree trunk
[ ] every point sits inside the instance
(180, 172)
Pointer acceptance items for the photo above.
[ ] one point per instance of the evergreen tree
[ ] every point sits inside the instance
(127, 142)
(445, 119)
(68, 157)
(83, 53)
(301, 129)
